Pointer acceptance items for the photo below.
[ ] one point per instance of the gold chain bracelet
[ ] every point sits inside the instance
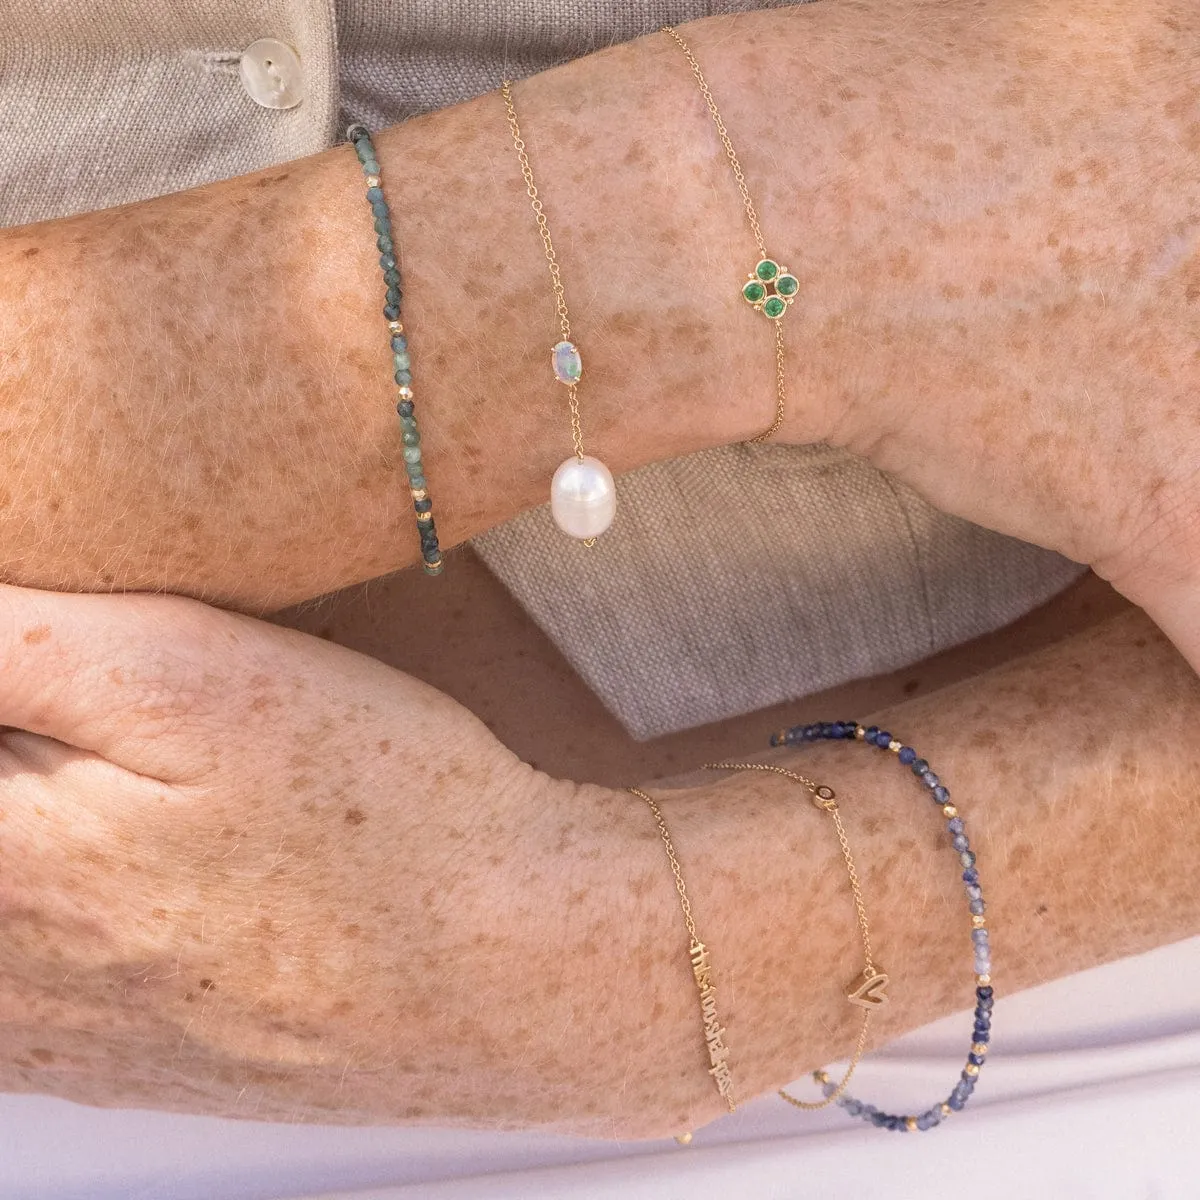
(770, 288)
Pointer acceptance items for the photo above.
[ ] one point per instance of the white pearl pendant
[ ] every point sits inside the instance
(583, 497)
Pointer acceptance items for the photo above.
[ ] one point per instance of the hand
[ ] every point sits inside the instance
(241, 865)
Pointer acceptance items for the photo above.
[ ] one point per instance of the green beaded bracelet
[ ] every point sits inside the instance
(431, 553)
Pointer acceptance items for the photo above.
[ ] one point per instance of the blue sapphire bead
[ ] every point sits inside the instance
(919, 767)
(959, 841)
(970, 875)
(907, 755)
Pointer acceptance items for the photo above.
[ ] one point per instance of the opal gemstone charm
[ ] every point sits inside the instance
(568, 366)
(583, 497)
(770, 288)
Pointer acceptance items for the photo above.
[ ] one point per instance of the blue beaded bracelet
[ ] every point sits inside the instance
(431, 553)
(874, 736)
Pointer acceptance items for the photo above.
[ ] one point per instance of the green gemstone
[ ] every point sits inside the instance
(787, 285)
(767, 270)
(754, 292)
(774, 306)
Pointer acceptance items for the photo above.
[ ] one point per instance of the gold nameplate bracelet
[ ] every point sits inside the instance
(868, 991)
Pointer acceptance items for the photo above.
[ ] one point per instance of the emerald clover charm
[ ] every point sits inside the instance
(770, 288)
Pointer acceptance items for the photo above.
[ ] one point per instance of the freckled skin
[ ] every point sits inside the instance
(255, 462)
(523, 932)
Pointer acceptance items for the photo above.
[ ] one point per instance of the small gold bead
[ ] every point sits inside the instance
(910, 1123)
(946, 1110)
(821, 1077)
(683, 1139)
(895, 747)
(979, 1048)
(406, 393)
(948, 810)
(972, 1068)
(978, 921)
(425, 516)
(860, 732)
(420, 494)
(983, 980)
(395, 327)
(372, 181)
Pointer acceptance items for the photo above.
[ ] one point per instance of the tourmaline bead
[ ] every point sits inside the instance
(412, 454)
(423, 506)
(387, 262)
(403, 378)
(919, 767)
(774, 306)
(401, 360)
(907, 755)
(375, 195)
(568, 366)
(391, 311)
(399, 343)
(416, 480)
(405, 408)
(431, 555)
(411, 437)
(385, 244)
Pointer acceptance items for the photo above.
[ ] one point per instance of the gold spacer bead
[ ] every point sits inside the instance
(946, 1110)
(948, 810)
(822, 1077)
(971, 1069)
(983, 980)
(978, 921)
(372, 181)
(895, 747)
(910, 1123)
(979, 1047)
(419, 494)
(860, 732)
(406, 393)
(683, 1139)
(425, 516)
(395, 327)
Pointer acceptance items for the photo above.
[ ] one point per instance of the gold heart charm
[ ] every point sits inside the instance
(870, 994)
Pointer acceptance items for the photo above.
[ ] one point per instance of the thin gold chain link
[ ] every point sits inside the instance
(827, 804)
(684, 903)
(723, 134)
(751, 214)
(560, 295)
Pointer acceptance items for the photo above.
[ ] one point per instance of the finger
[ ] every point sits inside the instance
(107, 673)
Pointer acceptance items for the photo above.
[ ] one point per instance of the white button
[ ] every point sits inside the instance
(271, 74)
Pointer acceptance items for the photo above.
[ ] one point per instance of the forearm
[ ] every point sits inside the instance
(475, 944)
(196, 390)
